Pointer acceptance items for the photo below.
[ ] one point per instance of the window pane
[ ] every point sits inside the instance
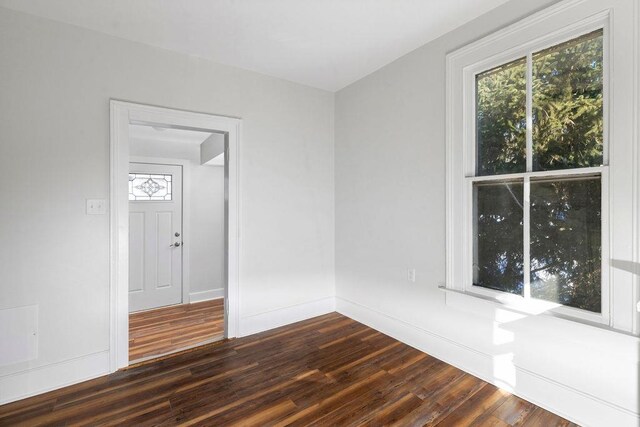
(567, 104)
(566, 243)
(498, 244)
(501, 119)
(149, 187)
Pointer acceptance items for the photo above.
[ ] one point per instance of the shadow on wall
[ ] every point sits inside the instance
(630, 266)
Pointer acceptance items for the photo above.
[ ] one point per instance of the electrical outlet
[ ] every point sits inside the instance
(411, 274)
(96, 206)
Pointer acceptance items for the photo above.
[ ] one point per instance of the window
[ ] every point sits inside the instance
(149, 187)
(542, 209)
(538, 234)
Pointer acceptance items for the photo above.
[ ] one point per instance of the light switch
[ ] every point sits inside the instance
(96, 206)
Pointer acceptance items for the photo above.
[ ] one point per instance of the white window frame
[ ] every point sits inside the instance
(555, 25)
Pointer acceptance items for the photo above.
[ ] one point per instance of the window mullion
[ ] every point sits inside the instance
(526, 253)
(529, 106)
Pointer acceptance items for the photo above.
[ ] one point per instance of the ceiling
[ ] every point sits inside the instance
(326, 44)
(150, 133)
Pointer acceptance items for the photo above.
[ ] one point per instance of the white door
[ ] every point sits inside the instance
(155, 235)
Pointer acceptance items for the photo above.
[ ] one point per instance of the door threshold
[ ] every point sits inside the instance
(157, 357)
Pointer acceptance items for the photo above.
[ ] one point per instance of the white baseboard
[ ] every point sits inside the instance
(284, 316)
(206, 295)
(561, 399)
(51, 377)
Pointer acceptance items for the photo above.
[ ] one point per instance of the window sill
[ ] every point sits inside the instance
(509, 310)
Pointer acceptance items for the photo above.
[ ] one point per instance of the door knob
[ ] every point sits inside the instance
(176, 244)
(177, 234)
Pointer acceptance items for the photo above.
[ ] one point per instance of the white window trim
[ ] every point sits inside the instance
(554, 25)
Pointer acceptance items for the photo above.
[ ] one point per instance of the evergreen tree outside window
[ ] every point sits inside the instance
(537, 190)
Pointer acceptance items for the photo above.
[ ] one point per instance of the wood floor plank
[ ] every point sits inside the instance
(474, 409)
(514, 410)
(541, 418)
(167, 329)
(394, 412)
(262, 417)
(328, 370)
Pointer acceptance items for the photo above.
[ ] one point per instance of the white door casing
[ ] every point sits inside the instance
(155, 251)
(123, 114)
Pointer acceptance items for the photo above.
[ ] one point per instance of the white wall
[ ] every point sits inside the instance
(390, 216)
(212, 147)
(206, 276)
(55, 84)
(206, 215)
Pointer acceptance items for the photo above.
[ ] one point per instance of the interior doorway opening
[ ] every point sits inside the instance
(174, 231)
(176, 240)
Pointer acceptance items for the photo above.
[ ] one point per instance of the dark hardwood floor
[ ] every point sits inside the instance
(167, 329)
(326, 371)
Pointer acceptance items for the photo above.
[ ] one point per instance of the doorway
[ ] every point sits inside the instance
(162, 303)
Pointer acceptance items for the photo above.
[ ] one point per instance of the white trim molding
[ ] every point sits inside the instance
(260, 322)
(46, 378)
(569, 402)
(122, 115)
(621, 211)
(206, 295)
